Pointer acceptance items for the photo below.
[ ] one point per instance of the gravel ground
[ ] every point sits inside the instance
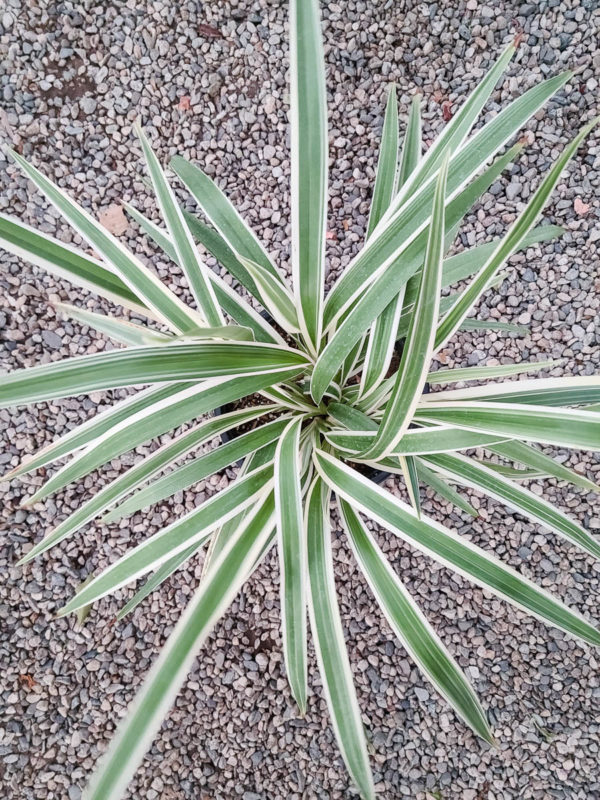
(209, 81)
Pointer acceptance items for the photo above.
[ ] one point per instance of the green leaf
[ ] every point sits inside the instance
(229, 300)
(195, 270)
(121, 330)
(470, 473)
(382, 337)
(412, 628)
(141, 365)
(157, 578)
(326, 627)
(397, 231)
(232, 333)
(411, 479)
(65, 261)
(470, 261)
(446, 491)
(292, 558)
(275, 297)
(493, 325)
(220, 539)
(308, 114)
(565, 427)
(569, 390)
(168, 673)
(417, 350)
(411, 147)
(192, 528)
(525, 454)
(443, 376)
(439, 439)
(236, 234)
(154, 420)
(449, 548)
(509, 243)
(202, 466)
(456, 131)
(385, 179)
(146, 469)
(392, 279)
(140, 280)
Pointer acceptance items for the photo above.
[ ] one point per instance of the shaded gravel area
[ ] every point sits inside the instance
(209, 82)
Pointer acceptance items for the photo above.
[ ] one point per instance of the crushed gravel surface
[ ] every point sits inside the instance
(209, 81)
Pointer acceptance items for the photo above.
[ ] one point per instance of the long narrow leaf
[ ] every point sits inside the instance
(411, 146)
(417, 352)
(156, 419)
(450, 549)
(168, 673)
(141, 281)
(331, 652)
(308, 113)
(141, 472)
(121, 330)
(509, 243)
(411, 626)
(564, 427)
(65, 261)
(175, 538)
(187, 256)
(201, 467)
(176, 362)
(528, 455)
(471, 473)
(229, 300)
(393, 235)
(292, 558)
(392, 279)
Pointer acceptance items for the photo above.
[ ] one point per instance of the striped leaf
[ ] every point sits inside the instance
(229, 300)
(166, 677)
(201, 467)
(419, 441)
(96, 426)
(411, 147)
(326, 627)
(65, 261)
(175, 538)
(444, 376)
(393, 235)
(477, 476)
(143, 471)
(236, 234)
(509, 243)
(393, 277)
(382, 337)
(449, 548)
(411, 479)
(387, 165)
(157, 578)
(195, 270)
(140, 280)
(565, 427)
(154, 420)
(439, 486)
(121, 330)
(531, 457)
(568, 391)
(417, 351)
(412, 628)
(142, 365)
(308, 116)
(292, 558)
